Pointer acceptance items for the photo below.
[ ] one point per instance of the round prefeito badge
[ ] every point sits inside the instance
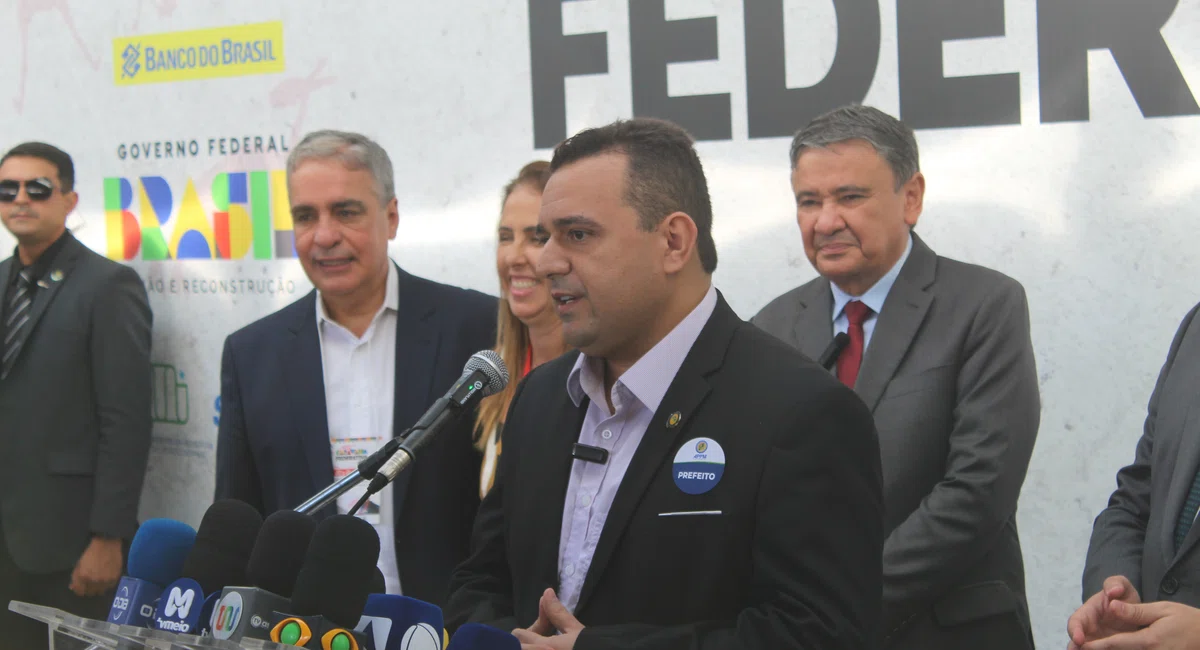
(699, 464)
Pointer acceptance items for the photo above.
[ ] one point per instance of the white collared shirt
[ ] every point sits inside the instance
(360, 380)
(873, 298)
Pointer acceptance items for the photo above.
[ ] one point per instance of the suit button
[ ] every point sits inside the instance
(1170, 586)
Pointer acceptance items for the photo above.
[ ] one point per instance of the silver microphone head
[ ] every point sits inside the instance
(492, 366)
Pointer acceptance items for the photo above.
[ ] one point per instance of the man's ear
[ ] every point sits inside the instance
(680, 235)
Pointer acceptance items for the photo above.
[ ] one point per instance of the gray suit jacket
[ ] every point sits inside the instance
(1135, 535)
(949, 375)
(75, 430)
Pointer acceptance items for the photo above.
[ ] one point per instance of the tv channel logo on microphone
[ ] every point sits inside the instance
(120, 606)
(179, 608)
(226, 615)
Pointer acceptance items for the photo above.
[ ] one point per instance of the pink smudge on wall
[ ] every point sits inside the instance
(26, 10)
(297, 92)
(165, 9)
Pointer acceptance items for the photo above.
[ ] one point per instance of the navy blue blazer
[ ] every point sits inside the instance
(273, 448)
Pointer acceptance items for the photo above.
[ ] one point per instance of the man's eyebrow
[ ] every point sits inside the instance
(574, 220)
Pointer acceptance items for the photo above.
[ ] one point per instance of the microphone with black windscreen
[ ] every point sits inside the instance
(224, 541)
(484, 374)
(331, 588)
(275, 561)
(378, 582)
(156, 557)
(831, 353)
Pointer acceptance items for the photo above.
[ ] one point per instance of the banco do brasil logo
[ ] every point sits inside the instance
(130, 56)
(249, 218)
(232, 51)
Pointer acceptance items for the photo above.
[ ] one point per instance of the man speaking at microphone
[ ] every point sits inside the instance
(684, 480)
(311, 390)
(941, 353)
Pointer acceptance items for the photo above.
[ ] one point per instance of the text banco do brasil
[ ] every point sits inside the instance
(228, 53)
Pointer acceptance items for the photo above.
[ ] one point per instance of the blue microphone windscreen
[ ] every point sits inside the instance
(159, 550)
(476, 636)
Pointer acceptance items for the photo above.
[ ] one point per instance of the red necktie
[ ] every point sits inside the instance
(851, 357)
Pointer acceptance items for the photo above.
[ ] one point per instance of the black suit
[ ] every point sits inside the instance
(792, 561)
(273, 448)
(74, 427)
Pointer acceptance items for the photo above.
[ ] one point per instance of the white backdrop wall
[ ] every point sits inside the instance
(1094, 215)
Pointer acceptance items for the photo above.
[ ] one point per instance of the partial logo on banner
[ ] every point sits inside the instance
(234, 51)
(169, 399)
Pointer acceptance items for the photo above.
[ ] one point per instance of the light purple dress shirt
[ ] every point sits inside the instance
(636, 395)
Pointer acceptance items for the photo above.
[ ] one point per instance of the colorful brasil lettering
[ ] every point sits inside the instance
(251, 217)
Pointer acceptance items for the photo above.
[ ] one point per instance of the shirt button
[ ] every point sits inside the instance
(585, 500)
(606, 435)
(569, 570)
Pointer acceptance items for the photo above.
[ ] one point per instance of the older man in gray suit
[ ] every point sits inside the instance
(74, 403)
(1145, 545)
(940, 352)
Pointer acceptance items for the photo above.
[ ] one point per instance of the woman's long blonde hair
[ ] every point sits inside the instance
(512, 336)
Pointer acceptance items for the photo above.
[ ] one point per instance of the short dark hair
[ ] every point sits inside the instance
(51, 154)
(664, 174)
(891, 138)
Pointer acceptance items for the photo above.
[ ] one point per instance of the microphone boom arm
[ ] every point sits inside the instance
(366, 471)
(484, 374)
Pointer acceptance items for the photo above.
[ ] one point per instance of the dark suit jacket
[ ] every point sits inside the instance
(75, 411)
(950, 377)
(1135, 535)
(792, 561)
(273, 448)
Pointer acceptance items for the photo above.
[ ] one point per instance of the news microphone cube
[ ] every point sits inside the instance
(476, 636)
(245, 613)
(314, 632)
(134, 602)
(180, 607)
(391, 622)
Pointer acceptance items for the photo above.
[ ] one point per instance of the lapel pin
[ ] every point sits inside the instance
(674, 420)
(43, 284)
(56, 275)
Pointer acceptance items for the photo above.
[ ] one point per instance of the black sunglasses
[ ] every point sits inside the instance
(38, 189)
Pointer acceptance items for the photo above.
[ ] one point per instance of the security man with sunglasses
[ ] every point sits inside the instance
(74, 403)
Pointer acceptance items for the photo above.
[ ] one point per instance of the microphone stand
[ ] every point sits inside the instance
(366, 471)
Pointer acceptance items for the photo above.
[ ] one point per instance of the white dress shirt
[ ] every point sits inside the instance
(360, 380)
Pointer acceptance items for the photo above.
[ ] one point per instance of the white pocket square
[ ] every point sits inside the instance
(686, 513)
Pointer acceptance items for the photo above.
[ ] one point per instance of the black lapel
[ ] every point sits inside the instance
(305, 377)
(416, 358)
(549, 444)
(1187, 463)
(814, 325)
(686, 393)
(56, 275)
(903, 312)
